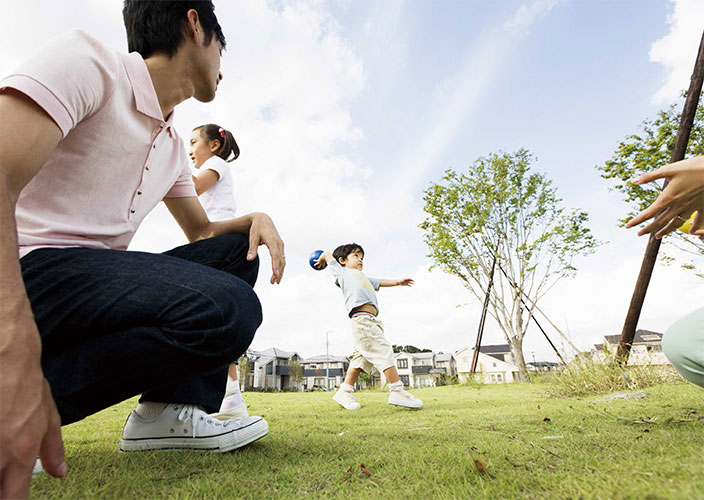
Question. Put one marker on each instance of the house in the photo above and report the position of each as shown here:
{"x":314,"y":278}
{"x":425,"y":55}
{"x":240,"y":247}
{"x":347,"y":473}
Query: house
{"x":492,"y":364}
{"x":541,"y":366}
{"x":445,"y":365}
{"x":414,"y":369}
{"x":324,"y":371}
{"x":646,"y":349}
{"x":272,"y":369}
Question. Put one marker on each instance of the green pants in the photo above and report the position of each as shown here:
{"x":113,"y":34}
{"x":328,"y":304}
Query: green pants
{"x":683,"y":344}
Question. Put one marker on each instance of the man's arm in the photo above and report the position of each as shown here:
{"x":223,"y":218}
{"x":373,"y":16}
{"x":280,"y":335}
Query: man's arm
{"x":401,"y":282}
{"x":190,"y":215}
{"x":30,"y":425}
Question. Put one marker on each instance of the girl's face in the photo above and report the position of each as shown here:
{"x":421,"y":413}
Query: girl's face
{"x":201,"y":148}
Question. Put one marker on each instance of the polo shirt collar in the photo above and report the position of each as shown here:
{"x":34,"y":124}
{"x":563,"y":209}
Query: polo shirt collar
{"x":145,"y":97}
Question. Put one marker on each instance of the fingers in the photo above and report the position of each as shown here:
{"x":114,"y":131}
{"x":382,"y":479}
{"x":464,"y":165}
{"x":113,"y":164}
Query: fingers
{"x":15,"y":479}
{"x":51,"y":451}
{"x":652,"y":175}
{"x":278,"y":263}
{"x":697,"y":222}
{"x":646,"y":214}
{"x":254,"y":242}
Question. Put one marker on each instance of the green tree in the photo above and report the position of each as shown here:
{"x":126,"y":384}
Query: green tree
{"x":296,"y":372}
{"x":650,"y":148}
{"x":245,"y":367}
{"x":499,"y":205}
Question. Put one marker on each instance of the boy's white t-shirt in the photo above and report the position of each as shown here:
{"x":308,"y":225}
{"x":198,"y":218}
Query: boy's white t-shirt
{"x":219,"y":200}
{"x":356,"y":287}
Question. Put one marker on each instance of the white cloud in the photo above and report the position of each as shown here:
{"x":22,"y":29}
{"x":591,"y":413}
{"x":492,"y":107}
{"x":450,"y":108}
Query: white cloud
{"x":677,"y":50}
{"x":527,"y":14}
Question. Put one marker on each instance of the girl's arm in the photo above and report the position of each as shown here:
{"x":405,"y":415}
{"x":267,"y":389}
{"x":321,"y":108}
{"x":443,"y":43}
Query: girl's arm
{"x":205,"y":180}
{"x":401,"y":282}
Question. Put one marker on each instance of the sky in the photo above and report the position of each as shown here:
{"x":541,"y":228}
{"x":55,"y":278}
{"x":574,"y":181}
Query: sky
{"x":345,"y":111}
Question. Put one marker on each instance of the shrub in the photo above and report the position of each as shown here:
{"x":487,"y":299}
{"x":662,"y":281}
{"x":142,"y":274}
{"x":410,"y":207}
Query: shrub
{"x":583,"y":377}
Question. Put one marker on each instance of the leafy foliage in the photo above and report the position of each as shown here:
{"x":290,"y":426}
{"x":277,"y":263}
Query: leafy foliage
{"x":408,"y":348}
{"x":499,"y":206}
{"x":650,"y":148}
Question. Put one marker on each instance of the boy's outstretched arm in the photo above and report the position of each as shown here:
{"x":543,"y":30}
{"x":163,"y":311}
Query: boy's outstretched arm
{"x":401,"y":282}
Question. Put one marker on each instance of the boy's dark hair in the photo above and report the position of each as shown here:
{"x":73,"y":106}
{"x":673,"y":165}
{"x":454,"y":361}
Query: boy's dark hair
{"x":158,"y":26}
{"x":343,"y":251}
{"x":228,"y":145}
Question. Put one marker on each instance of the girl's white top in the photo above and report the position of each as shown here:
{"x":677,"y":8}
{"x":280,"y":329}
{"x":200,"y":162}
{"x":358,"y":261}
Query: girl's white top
{"x":219,"y":200}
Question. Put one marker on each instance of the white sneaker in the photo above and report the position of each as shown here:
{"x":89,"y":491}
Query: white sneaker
{"x":405,"y":399}
{"x":235,"y":412}
{"x":189,"y":427}
{"x":346,"y":400}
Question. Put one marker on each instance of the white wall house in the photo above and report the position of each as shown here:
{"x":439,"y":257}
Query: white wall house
{"x":491,"y":368}
{"x":324,"y":371}
{"x":646,"y":349}
{"x":271,"y":369}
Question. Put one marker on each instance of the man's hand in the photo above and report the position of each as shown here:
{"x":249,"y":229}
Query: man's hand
{"x":683,"y":195}
{"x":30,"y":426}
{"x":263,"y":232}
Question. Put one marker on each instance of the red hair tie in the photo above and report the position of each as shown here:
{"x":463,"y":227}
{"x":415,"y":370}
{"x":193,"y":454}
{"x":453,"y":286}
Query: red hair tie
{"x":222,"y":132}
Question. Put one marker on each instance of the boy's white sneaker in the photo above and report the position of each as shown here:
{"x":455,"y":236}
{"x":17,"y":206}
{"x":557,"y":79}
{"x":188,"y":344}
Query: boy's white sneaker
{"x":237,"y":411}
{"x":189,"y":427}
{"x":346,"y":400}
{"x":405,"y":399}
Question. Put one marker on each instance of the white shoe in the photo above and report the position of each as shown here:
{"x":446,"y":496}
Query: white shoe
{"x":189,"y":427}
{"x":346,"y":400}
{"x":405,"y":399}
{"x":235,"y":412}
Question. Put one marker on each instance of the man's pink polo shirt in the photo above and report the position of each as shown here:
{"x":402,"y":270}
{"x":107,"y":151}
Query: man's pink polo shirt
{"x":118,"y":157}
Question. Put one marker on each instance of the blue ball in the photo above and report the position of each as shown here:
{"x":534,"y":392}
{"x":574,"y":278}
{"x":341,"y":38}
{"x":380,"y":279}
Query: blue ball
{"x":315,"y":255}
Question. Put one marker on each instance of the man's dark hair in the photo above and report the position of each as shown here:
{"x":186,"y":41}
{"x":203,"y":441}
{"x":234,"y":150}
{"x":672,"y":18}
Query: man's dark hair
{"x":343,"y":251}
{"x":159,"y":26}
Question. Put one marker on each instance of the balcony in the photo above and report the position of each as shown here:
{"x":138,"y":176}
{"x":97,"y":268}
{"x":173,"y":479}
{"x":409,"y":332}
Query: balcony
{"x":421,"y":369}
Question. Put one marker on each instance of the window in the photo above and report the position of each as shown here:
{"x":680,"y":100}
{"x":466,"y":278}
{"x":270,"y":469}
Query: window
{"x":494,"y":364}
{"x":404,"y":379}
{"x":402,"y":363}
{"x":319,"y":381}
{"x":499,"y":377}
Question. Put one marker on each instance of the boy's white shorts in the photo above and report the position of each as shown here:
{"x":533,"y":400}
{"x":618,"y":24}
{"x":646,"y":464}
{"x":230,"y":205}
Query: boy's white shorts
{"x":370,"y":345}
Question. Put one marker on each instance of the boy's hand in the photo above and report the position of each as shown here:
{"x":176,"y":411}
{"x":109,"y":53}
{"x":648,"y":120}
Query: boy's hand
{"x":324,"y":258}
{"x":406,"y":282}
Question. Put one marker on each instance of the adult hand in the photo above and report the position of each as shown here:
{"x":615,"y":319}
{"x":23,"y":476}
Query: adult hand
{"x":30,"y":425}
{"x":263,"y":232}
{"x":683,"y":195}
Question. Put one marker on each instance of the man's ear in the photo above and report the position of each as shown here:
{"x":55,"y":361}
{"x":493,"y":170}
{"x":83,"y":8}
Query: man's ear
{"x":193,"y":27}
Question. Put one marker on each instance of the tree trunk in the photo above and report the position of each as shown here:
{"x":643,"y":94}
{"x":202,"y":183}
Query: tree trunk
{"x":517,"y":349}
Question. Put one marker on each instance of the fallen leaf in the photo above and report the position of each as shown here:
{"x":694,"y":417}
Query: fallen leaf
{"x":364,"y":470}
{"x":480,"y":466}
{"x":274,"y":469}
{"x":491,"y":427}
{"x":546,"y":419}
{"x":351,"y":469}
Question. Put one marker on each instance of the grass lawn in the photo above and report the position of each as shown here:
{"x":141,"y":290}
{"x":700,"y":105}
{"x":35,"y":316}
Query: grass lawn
{"x":531,"y":446}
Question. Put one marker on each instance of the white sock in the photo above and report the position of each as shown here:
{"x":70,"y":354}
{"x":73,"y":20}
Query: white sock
{"x":232,"y":387}
{"x":150,"y":409}
{"x":396,"y":386}
{"x":233,"y":396}
{"x":346,"y":387}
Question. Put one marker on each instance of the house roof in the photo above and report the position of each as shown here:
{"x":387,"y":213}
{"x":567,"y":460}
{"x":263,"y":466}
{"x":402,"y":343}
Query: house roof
{"x":641,"y":337}
{"x":542,"y":363}
{"x":322,"y":358}
{"x":495,"y":349}
{"x":443,"y":357}
{"x":276,"y":353}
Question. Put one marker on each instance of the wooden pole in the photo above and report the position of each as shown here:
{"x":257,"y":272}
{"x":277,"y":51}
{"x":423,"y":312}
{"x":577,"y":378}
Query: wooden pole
{"x":651,"y":250}
{"x":477,"y":344}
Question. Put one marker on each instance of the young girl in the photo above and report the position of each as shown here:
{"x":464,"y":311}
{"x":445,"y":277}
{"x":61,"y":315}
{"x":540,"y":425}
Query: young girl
{"x":212,"y":148}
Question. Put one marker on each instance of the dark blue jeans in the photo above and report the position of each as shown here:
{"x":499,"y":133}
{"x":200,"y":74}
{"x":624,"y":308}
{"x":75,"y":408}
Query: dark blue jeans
{"x":115,"y":324}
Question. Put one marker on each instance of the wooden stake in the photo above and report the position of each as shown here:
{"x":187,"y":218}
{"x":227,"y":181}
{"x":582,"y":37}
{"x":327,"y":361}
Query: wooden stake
{"x":480,"y":332}
{"x":651,"y":250}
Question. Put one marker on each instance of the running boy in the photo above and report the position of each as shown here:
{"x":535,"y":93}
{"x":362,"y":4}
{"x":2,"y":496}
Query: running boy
{"x":370,"y":345}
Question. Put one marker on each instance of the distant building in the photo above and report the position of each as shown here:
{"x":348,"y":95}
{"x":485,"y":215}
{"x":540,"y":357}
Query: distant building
{"x":326,"y":372}
{"x":494,"y":364}
{"x":646,"y":349}
{"x":541,"y":366}
{"x":271,"y":369}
